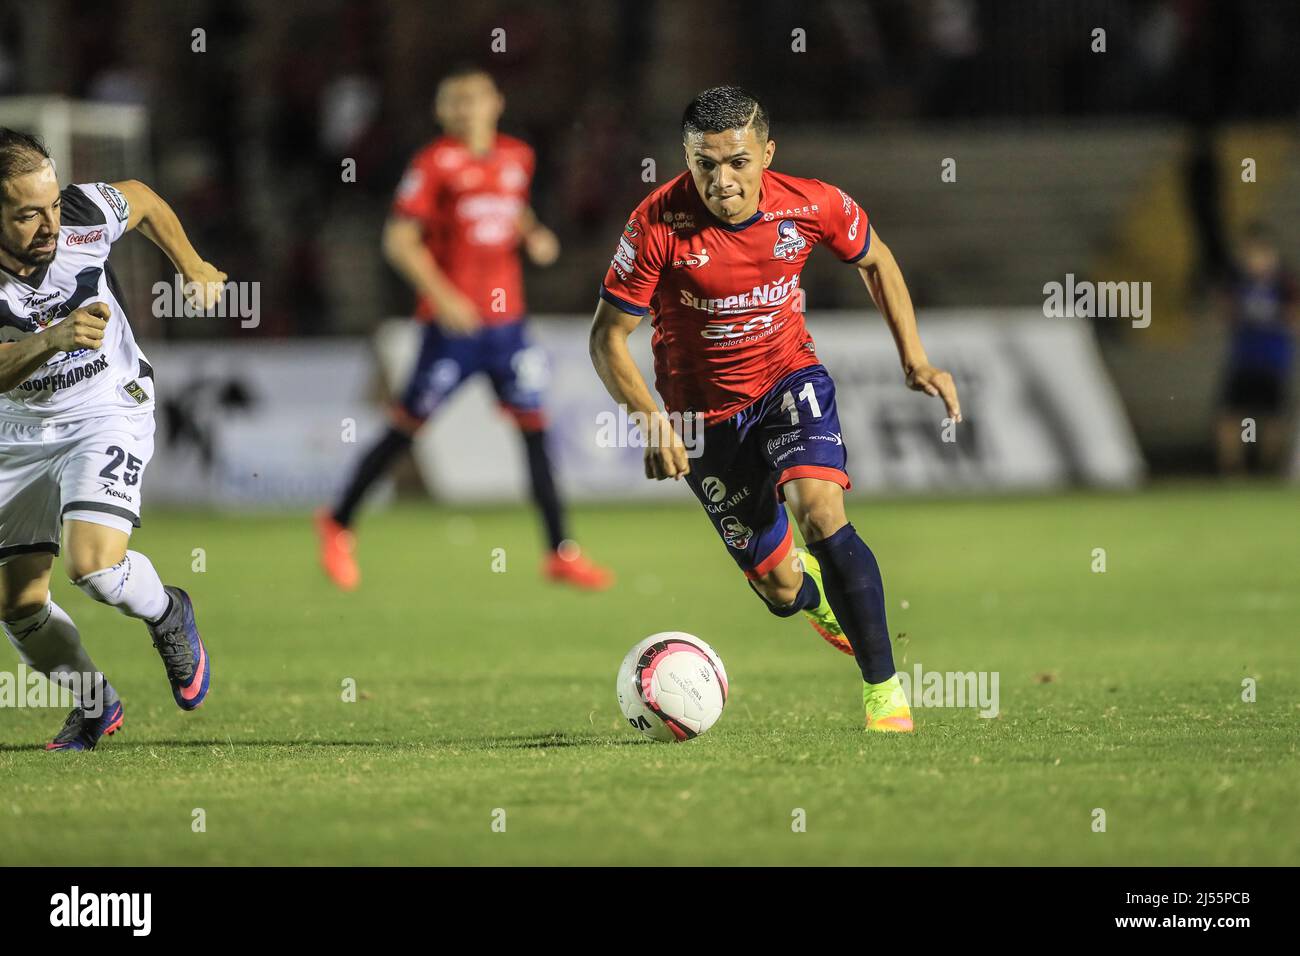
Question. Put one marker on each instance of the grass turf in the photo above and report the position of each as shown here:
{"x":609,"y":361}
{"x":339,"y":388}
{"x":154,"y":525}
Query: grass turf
{"x":480,"y":691}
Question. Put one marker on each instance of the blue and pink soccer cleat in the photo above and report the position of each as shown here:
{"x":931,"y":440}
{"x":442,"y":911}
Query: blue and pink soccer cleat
{"x":177,"y":639}
{"x":81,"y":732}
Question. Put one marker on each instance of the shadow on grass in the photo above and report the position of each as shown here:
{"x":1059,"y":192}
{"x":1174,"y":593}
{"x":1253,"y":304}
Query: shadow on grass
{"x":526,"y":742}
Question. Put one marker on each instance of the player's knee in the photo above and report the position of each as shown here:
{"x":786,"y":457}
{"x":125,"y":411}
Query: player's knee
{"x":776,"y":591}
{"x":84,"y":563}
{"x":821,"y":519}
{"x":20,"y":607}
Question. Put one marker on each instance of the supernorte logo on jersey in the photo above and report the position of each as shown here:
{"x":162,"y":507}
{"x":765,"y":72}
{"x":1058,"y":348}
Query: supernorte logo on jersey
{"x":760,"y":296}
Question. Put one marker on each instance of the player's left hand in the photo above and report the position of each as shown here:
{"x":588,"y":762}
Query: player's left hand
{"x":937,"y":383}
{"x":542,"y":246}
{"x":210,"y":281}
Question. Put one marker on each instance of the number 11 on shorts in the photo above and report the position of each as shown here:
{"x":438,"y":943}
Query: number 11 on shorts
{"x":806,"y":394}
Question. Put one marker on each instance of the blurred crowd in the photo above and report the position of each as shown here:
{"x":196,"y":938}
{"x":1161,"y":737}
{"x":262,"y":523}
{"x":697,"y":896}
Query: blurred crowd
{"x":249,"y":133}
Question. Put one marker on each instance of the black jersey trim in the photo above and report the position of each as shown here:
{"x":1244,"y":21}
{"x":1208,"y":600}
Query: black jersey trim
{"x":41,"y":547}
{"x":130,"y":516}
{"x":79,"y":209}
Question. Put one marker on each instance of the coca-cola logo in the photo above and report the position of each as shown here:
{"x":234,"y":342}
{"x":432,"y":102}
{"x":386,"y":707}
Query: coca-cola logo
{"x":84,"y":238}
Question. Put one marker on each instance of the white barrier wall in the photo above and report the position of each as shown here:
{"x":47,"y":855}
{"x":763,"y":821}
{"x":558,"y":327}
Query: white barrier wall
{"x":244,"y":425}
{"x":1039,"y":409}
{"x":278,"y":424}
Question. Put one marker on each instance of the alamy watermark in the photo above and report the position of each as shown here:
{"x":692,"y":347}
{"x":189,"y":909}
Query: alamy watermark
{"x":1102,"y":300}
{"x":952,"y":689}
{"x":229,"y":300}
{"x":62,"y":689}
{"x":624,"y":429}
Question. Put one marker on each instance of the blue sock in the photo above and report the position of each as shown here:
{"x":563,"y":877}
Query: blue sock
{"x":809,"y":597}
{"x":857,"y":596}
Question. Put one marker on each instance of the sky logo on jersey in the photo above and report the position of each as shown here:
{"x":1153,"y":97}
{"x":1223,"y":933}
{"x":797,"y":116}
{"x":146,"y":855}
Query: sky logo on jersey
{"x":732,"y":333}
{"x":789,"y":242}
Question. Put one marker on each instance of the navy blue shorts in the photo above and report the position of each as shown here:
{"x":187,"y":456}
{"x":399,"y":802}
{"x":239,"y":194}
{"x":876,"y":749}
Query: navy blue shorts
{"x":791,"y":432}
{"x":516,"y":368}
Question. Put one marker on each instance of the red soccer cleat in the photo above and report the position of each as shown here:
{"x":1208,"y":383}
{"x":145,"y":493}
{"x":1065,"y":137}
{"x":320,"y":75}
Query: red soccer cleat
{"x":566,"y":565}
{"x":336,"y":546}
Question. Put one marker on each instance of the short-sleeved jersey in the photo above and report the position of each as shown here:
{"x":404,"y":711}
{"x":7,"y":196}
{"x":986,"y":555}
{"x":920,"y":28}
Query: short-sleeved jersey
{"x":728,"y":320}
{"x":1262,"y":335}
{"x":88,"y":382}
{"x":470,"y":209}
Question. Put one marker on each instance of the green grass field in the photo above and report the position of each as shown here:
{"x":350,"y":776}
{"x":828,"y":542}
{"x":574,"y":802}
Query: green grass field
{"x":481,"y":690}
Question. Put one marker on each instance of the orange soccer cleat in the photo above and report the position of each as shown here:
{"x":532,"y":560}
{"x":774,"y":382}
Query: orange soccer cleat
{"x":336,"y":546}
{"x":566,"y":565}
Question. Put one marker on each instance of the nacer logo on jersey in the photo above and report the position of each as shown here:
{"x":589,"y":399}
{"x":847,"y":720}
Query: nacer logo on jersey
{"x":789,"y":242}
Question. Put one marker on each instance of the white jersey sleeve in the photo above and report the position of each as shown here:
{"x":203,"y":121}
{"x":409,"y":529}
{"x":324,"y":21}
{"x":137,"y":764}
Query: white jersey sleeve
{"x":103,"y":205}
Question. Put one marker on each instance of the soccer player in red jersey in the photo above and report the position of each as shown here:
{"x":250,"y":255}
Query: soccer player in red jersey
{"x":715,"y":255}
{"x":460,"y":215}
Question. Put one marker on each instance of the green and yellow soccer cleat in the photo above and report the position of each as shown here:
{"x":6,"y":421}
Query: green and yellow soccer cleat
{"x":822,"y":618}
{"x":886,"y":706}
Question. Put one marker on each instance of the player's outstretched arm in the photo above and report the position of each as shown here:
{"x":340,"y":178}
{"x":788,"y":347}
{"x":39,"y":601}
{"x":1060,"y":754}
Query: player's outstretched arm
{"x":405,"y":251}
{"x":542,"y":245}
{"x":158,"y":223}
{"x":665,"y":455}
{"x":884,"y":280}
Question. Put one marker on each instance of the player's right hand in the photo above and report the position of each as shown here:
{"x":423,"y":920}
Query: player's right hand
{"x":458,"y":316}
{"x":665,"y":455}
{"x":83,"y":329}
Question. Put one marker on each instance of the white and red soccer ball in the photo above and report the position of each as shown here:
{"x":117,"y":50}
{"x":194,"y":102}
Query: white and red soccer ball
{"x":672,"y":686}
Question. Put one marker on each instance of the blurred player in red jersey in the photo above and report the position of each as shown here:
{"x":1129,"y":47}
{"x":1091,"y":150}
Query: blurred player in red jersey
{"x":716,"y":256}
{"x":460,"y":215}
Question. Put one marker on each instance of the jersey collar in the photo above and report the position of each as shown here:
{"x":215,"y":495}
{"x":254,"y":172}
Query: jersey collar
{"x":32,"y":281}
{"x":739,"y":226}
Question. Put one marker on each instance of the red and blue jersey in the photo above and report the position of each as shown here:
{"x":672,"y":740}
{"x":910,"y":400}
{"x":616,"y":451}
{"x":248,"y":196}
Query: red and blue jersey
{"x":470,"y":209}
{"x":728,"y":309}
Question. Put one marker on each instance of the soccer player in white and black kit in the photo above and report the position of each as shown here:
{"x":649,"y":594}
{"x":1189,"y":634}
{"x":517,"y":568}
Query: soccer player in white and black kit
{"x":76,"y":429}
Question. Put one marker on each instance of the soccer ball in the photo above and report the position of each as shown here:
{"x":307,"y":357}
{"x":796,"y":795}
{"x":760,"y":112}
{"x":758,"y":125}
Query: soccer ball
{"x":672,"y":686}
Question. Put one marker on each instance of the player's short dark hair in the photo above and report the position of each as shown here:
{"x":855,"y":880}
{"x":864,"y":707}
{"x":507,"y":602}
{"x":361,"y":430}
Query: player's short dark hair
{"x":1257,"y":231}
{"x":722,"y":108}
{"x":20,"y":153}
{"x":463,"y":69}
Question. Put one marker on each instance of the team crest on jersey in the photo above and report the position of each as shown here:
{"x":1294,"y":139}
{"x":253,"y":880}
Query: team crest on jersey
{"x":736,"y":533}
{"x":631,"y":230}
{"x":789,"y":241}
{"x":116,"y":201}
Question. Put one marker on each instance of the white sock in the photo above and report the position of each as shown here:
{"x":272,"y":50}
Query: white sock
{"x":132,"y":586}
{"x":48,"y":642}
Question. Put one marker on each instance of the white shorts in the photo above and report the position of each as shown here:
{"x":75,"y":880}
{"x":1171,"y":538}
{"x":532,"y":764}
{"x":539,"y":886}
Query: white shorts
{"x":88,"y":470}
